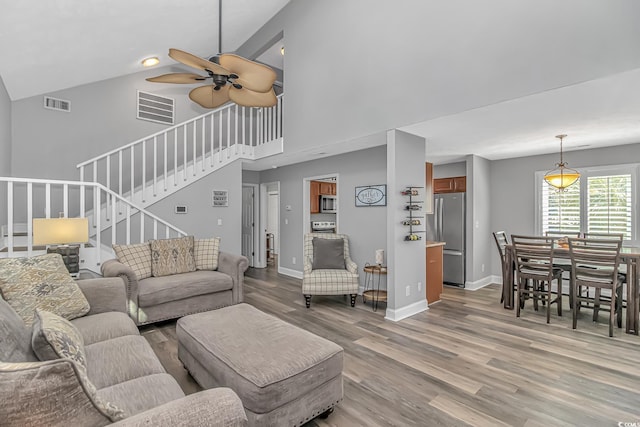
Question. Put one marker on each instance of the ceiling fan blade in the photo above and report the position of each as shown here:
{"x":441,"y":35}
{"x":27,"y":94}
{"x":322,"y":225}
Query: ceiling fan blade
{"x":196,"y":62}
{"x":249,"y":98}
{"x":180,"y":78}
{"x":208,"y":97}
{"x":251,"y":75}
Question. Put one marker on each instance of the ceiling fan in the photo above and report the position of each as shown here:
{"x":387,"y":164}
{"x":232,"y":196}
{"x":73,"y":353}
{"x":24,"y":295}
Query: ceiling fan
{"x":232,"y":78}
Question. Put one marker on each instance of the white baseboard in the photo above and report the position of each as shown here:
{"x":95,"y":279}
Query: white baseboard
{"x":478,"y":284}
{"x":406,"y":311}
{"x":289,"y":272}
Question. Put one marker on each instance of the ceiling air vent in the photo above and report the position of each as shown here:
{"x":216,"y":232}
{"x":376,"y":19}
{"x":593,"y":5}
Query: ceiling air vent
{"x":57,"y":104}
{"x":155,"y":108}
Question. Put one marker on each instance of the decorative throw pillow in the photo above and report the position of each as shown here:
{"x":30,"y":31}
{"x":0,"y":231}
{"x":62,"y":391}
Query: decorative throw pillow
{"x":41,"y":282}
{"x":54,"y":337}
{"x":61,"y":386}
{"x":328,"y":254}
{"x":172,"y":256}
{"x":137,"y":257}
{"x":206,"y":252}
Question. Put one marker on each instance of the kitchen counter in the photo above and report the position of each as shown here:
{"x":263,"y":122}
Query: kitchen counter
{"x":432,"y":244}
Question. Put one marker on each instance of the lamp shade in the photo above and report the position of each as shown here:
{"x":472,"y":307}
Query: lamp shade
{"x":60,"y":231}
{"x":561,"y":180}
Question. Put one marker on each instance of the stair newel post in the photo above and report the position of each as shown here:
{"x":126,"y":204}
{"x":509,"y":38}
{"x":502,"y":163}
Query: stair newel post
{"x":184,"y":146}
{"x":211,"y":143}
{"x":10,"y":217}
{"x":128,"y":225}
{"x":175,"y":157}
{"x":165,"y":158}
{"x":155,"y":166}
{"x":132,"y":168}
{"x":114,"y":222}
{"x":47,"y":200}
{"x":203,"y":143}
{"x":65,"y":200}
{"x":219,"y":136}
{"x":144,"y":167}
{"x":29,"y":219}
{"x":108,"y":186}
{"x":194,"y":143}
{"x":155,"y":228}
{"x":141,"y":227}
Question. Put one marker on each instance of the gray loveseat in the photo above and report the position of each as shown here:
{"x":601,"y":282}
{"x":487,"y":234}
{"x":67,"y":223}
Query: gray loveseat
{"x":153,"y":299}
{"x":120,"y":364}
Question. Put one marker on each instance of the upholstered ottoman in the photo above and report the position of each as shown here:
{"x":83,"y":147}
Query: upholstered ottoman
{"x":284,"y":375}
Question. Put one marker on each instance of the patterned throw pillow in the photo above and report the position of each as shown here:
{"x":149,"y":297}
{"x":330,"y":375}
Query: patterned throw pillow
{"x":41,"y":282}
{"x":137,"y":257}
{"x":62,"y":388}
{"x":172,"y":256}
{"x":54,"y":337}
{"x":206,"y":252}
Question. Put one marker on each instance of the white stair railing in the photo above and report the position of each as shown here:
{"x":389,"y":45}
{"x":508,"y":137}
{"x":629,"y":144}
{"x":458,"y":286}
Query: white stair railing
{"x":149,"y":169}
{"x":38,"y":198}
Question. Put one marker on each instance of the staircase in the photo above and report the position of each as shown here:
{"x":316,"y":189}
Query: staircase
{"x":116,"y":187}
{"x":37,"y":198}
{"x":152,"y":168}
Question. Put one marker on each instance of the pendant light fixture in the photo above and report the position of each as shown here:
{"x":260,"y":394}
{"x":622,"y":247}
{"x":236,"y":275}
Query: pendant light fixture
{"x":562,"y":176}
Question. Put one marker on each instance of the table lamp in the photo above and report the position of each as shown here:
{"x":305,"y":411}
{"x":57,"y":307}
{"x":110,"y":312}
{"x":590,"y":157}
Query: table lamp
{"x":64,"y":234}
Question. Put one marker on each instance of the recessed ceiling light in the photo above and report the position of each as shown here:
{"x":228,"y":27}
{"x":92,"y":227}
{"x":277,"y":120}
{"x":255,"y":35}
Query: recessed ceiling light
{"x":150,"y":62}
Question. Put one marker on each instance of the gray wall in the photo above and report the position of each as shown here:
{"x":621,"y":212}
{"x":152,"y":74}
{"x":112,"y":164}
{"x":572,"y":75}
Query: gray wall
{"x":202,"y":218}
{"x":364,"y":225}
{"x":478,"y":262}
{"x":250,"y":177}
{"x":49,"y":144}
{"x":367,"y":38}
{"x":449,"y":170}
{"x":513,"y":186}
{"x":407,"y":262}
{"x":5,"y":147}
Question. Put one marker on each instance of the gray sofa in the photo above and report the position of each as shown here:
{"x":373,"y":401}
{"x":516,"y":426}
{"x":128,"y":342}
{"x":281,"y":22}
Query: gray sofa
{"x":121,"y":365}
{"x":169,"y":297}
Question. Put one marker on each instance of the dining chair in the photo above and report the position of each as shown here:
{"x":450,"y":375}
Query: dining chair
{"x":501,"y":242}
{"x":534,"y":263}
{"x":594,"y":264}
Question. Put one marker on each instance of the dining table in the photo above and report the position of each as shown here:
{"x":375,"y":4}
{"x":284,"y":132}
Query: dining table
{"x":629,"y":256}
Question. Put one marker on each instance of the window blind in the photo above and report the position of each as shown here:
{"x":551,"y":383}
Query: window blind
{"x":561,"y":209}
{"x":609,"y":204}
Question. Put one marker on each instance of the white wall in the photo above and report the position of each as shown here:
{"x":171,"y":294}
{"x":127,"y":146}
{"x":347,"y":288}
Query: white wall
{"x":478,"y":222}
{"x":5,"y":146}
{"x":449,"y":170}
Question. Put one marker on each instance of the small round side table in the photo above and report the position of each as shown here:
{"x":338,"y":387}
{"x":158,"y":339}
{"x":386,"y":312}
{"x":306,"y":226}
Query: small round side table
{"x":376,"y":295}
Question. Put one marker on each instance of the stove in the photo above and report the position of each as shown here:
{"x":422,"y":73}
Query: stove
{"x":323,"y":226}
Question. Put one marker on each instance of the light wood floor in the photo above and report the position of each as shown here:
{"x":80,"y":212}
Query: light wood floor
{"x":465,"y":361}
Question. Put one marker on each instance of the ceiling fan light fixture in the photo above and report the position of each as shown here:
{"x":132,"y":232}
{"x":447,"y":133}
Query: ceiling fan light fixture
{"x":150,"y":61}
{"x":561,"y":177}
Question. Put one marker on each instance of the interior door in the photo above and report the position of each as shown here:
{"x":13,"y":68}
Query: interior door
{"x":247,"y":223}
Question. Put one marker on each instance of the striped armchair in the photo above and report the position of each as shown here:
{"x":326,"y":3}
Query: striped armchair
{"x":328,"y":281}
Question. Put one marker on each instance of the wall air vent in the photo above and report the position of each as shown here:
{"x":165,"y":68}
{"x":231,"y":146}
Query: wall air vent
{"x":57,"y":104}
{"x":155,"y":108}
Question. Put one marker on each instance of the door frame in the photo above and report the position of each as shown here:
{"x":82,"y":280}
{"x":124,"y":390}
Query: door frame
{"x":306,"y":194}
{"x":261,"y":260}
{"x":256,"y":215}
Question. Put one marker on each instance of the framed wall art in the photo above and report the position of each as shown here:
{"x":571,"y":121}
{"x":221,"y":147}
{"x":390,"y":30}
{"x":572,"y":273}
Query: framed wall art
{"x":371,"y":195}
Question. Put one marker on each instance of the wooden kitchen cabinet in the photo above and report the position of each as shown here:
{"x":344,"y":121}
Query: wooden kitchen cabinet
{"x":327,"y":188}
{"x":456,"y":184}
{"x":314,"y":197}
{"x":434,"y":272}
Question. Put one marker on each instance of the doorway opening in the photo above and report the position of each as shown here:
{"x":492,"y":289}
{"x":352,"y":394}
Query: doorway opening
{"x":250,"y":212}
{"x":269,"y":235}
{"x":321,"y":210}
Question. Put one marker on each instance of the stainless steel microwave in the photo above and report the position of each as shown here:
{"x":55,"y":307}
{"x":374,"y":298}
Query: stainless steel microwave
{"x":328,"y":204}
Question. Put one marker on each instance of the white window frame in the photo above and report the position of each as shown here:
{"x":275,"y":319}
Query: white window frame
{"x":632,"y":169}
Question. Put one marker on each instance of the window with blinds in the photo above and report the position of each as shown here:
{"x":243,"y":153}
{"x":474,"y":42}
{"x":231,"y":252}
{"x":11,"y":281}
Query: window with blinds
{"x":601,"y":201}
{"x":561,"y":209}
{"x":609,"y":204}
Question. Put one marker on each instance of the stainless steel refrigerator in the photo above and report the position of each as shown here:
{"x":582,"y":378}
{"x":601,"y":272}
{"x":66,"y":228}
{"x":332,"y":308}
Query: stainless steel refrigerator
{"x":447,"y":224}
